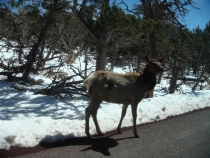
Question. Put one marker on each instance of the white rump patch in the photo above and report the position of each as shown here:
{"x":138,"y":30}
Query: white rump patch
{"x":89,"y":81}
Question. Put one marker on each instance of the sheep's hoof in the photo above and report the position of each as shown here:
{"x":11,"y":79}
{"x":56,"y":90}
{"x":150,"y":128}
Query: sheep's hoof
{"x":119,"y":131}
{"x":100,"y":133}
{"x":89,"y":136}
{"x":136,"y":135}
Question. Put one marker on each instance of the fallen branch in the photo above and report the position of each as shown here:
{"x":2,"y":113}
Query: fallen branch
{"x":187,"y":79}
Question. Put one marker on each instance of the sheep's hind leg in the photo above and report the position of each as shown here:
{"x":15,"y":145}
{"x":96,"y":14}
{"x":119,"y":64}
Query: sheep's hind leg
{"x":87,"y":118}
{"x":124,"y":109}
{"x":94,"y":115}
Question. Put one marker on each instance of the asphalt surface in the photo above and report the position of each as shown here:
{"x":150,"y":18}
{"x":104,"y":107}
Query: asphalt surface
{"x":184,"y":136}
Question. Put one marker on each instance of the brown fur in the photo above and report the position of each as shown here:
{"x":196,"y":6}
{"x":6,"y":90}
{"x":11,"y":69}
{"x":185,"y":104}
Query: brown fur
{"x":120,"y":88}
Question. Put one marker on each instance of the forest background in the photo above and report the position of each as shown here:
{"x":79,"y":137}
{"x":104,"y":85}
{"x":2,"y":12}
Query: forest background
{"x":105,"y":32}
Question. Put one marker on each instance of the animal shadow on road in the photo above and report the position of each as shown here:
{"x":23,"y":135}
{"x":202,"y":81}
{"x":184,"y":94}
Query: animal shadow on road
{"x":102,"y":145}
{"x":97,"y":143}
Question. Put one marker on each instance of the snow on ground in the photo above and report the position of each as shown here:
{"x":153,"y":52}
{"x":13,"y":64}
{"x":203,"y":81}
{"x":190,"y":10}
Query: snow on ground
{"x":27,"y":119}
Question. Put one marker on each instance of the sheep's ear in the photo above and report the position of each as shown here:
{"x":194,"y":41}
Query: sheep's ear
{"x":147,"y":58}
{"x":161,"y":59}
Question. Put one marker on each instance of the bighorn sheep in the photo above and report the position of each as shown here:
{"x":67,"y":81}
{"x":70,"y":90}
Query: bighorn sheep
{"x":120,"y":88}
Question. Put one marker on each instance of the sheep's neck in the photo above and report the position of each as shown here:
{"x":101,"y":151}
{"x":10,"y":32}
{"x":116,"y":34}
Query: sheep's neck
{"x":149,"y":80}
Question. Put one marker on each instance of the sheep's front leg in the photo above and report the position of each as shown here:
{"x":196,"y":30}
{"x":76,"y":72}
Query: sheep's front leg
{"x":134,"y":113}
{"x":94,"y":115}
{"x":92,"y":110}
{"x":124,"y":109}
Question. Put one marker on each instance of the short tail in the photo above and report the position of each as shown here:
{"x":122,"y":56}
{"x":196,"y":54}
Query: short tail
{"x":88,"y":82}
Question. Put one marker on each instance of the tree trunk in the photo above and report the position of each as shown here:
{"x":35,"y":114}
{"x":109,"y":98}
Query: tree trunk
{"x":153,"y":48}
{"x":153,"y":55}
{"x":113,"y":57}
{"x":102,"y":55}
{"x":29,"y":64}
{"x":40,"y":62}
{"x":20,"y":54}
{"x":173,"y":82}
{"x":194,"y":69}
{"x":149,"y":94}
{"x":200,"y":77}
{"x":160,"y":76}
{"x":86,"y":62}
{"x":139,"y":58}
{"x":33,"y":53}
{"x":138,"y":69}
{"x":175,"y":74}
{"x":113,"y":61}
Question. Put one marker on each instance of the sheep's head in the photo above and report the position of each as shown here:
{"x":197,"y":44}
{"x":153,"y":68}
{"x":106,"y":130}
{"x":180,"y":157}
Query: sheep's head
{"x":154,"y":65}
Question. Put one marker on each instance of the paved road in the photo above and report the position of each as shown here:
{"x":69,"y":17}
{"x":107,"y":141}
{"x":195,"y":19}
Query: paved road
{"x":185,"y":136}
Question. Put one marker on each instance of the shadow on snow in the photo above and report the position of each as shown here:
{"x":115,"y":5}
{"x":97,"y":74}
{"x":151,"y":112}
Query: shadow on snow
{"x":14,"y":103}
